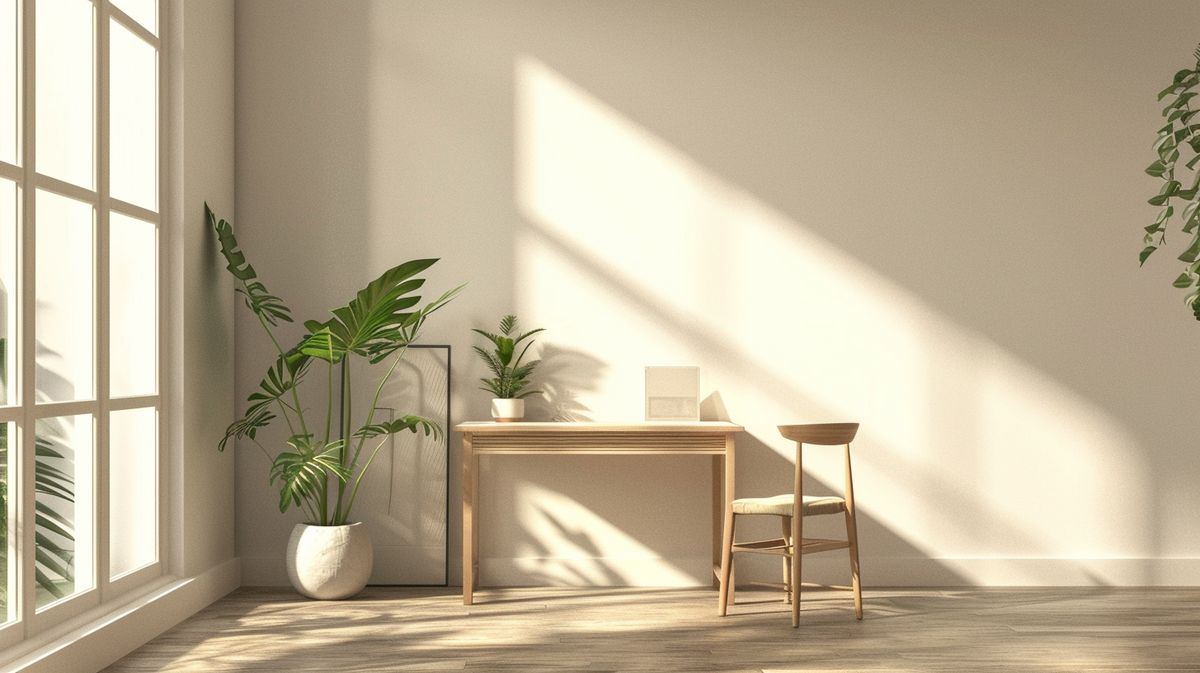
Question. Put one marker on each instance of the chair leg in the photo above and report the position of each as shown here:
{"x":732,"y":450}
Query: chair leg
{"x":797,"y":539}
{"x":787,"y":562}
{"x":726,"y":564}
{"x":856,"y":582}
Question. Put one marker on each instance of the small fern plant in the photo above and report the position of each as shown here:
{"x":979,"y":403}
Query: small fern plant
{"x":509,"y":377}
{"x":1178,"y":132}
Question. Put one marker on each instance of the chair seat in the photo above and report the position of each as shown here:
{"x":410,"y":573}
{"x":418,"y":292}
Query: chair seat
{"x":781,"y":505}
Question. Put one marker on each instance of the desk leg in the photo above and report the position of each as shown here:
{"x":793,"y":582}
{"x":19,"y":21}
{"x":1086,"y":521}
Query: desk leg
{"x":727,"y":580}
{"x":718,"y":516}
{"x":468,"y":520}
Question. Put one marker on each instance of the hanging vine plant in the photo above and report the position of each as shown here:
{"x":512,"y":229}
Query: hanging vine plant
{"x":1173,"y":197}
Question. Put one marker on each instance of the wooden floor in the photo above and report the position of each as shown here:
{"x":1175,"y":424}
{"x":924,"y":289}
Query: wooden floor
{"x":397,"y":629}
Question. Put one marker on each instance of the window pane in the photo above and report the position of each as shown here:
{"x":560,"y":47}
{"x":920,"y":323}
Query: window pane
{"x":65,"y":93}
{"x":8,"y":291}
{"x":133,"y":302}
{"x":64,"y":316}
{"x":63,"y":522}
{"x":133,"y":141}
{"x":7,"y":563}
{"x":144,"y":12}
{"x":8,"y":80}
{"x":132,"y":490}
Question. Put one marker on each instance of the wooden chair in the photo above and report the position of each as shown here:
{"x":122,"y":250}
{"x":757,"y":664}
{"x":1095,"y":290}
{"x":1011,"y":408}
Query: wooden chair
{"x":793,"y":507}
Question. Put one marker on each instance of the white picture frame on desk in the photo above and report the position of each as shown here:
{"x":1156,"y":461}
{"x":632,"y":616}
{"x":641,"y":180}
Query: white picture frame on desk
{"x":673,"y":393}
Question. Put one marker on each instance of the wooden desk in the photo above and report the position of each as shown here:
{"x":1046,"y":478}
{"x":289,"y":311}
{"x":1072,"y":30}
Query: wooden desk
{"x":713,"y":438}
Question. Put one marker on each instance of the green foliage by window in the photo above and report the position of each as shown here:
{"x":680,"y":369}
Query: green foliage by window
{"x":1176,"y":170}
{"x":54,"y":490}
{"x":323,"y":466}
{"x":509,"y":376}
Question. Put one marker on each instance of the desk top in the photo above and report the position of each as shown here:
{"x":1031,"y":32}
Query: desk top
{"x":575,"y":426}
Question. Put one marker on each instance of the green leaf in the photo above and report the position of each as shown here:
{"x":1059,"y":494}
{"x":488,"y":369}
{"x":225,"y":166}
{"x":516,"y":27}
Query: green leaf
{"x":281,"y":377}
{"x":1157,"y":168}
{"x":247,"y":426}
{"x":1169,"y":189}
{"x":1179,"y":102}
{"x":507,"y":324}
{"x":410,"y":423}
{"x":1145,"y":254}
{"x":374,"y":322}
{"x":54,"y":533}
{"x":1184,"y":281}
{"x":264,"y":304}
{"x":1190,"y":224}
{"x":504,"y":350}
{"x":237,"y":264}
{"x":304,"y":470}
{"x":1192,"y":252}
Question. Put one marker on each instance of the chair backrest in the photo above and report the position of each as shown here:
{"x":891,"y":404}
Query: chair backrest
{"x":828,"y":434}
{"x":820,"y":433}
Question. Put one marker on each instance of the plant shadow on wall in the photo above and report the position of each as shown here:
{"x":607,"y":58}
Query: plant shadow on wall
{"x":564,"y":375}
{"x":328,"y":456}
{"x":54,"y":500}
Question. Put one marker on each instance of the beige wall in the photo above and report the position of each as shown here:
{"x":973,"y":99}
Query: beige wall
{"x":922,"y":216}
{"x":203,"y":392}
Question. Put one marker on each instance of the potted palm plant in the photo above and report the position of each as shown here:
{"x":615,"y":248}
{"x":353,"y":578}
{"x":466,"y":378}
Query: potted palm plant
{"x":509,"y":377}
{"x":322,"y":466}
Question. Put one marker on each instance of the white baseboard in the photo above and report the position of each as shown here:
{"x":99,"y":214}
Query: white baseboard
{"x":94,"y":641}
{"x":834,"y":569}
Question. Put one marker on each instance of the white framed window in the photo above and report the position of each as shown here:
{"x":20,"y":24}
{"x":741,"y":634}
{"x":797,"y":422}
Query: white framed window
{"x":81,"y":427}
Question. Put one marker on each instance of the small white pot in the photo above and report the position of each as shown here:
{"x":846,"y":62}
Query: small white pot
{"x":506,"y":410}
{"x":329,"y":562}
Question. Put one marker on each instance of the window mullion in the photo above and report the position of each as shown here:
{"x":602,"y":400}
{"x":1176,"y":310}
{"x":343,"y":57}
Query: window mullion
{"x":103,"y":108}
{"x":130,"y":209}
{"x":24,"y":459}
{"x":50,"y":184}
{"x":132,"y":26}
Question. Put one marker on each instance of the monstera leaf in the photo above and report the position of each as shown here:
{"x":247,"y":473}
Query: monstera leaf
{"x":281,"y":379}
{"x":373,"y":325}
{"x":302,"y":472}
{"x":265,"y":305}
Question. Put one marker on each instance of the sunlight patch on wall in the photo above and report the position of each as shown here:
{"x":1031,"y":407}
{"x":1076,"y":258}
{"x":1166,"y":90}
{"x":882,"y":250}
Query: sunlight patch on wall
{"x":634,"y":254}
{"x":584,"y":549}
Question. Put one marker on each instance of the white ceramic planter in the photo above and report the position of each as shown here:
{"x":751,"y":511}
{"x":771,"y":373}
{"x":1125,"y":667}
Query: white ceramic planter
{"x":505,"y":410}
{"x":329,"y":562}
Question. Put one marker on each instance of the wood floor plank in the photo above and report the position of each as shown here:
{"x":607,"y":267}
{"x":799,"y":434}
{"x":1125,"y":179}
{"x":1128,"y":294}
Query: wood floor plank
{"x":1102,"y":630}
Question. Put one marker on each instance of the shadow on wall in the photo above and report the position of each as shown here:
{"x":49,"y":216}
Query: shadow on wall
{"x":306,"y":231}
{"x":612,"y":521}
{"x":564,"y":375}
{"x":958,"y":433}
